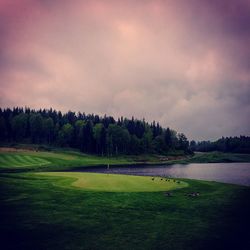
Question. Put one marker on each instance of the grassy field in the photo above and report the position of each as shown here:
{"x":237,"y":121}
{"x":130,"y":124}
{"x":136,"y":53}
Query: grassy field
{"x":47,"y":212}
{"x":69,"y":210}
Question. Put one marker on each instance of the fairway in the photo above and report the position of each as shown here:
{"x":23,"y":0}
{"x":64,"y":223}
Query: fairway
{"x":21,"y":160}
{"x":57,"y":160}
{"x":117,"y":183}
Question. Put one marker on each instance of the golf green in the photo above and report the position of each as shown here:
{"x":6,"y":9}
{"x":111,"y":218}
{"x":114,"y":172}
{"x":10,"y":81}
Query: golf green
{"x":117,"y":183}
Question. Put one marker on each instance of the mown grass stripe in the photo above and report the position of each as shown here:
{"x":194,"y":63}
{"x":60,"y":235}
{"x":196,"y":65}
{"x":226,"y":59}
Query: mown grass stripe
{"x":41,"y":161}
{"x":22,"y":159}
{"x":19,"y":160}
{"x":12,"y":160}
{"x":30,"y":159}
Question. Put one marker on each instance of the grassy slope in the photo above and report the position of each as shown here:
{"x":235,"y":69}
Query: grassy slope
{"x":117,"y":183}
{"x":46,"y":212}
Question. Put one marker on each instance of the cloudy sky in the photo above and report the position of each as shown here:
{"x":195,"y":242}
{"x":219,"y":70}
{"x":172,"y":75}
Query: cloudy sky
{"x":183,"y":63}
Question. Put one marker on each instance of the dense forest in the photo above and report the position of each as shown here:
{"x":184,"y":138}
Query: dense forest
{"x":89,"y":133}
{"x":225,"y":144}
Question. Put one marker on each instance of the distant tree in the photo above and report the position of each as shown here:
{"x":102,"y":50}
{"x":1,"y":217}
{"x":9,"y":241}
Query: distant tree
{"x":174,"y":139}
{"x":88,"y":137}
{"x":109,"y":143}
{"x":66,"y":134}
{"x":103,"y":140}
{"x":3,"y":129}
{"x":79,"y":139}
{"x":36,"y":127}
{"x":70,"y":117}
{"x":168,"y":139}
{"x":125,"y":140}
{"x":48,"y":127}
{"x":192,"y":145}
{"x":56,"y":132}
{"x":131,"y":126}
{"x":94,"y":134}
{"x":19,"y":125}
{"x":183,"y":142}
{"x":139,"y":129}
{"x":97,"y":133}
{"x":159,"y":144}
{"x":118,"y":139}
{"x":136,"y":146}
{"x":226,"y":144}
{"x":147,"y":140}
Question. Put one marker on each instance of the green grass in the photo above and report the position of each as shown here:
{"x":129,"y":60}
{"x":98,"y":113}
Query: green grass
{"x":46,"y":212}
{"x":117,"y":183}
{"x":69,"y":210}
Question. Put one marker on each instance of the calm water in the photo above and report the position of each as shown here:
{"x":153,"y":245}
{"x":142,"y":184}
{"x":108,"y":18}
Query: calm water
{"x":236,"y":173}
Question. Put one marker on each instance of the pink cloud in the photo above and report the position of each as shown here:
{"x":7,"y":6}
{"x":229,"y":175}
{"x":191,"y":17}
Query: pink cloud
{"x":163,"y":60}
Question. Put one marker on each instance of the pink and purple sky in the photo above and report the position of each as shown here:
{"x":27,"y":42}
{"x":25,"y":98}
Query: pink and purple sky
{"x":184,"y":63}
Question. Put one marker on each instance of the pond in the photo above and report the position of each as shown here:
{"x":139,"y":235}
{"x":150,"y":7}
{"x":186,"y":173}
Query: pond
{"x":235,"y":173}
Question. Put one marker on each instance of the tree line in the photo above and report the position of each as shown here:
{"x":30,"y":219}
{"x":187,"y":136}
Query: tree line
{"x":90,"y":133}
{"x":225,"y":144}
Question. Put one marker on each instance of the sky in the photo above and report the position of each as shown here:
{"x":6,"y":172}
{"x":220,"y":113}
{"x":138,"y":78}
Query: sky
{"x":185,"y":64}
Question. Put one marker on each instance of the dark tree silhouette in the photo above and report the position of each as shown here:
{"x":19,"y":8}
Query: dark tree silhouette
{"x":90,"y":133}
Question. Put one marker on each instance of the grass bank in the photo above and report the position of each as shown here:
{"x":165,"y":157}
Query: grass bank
{"x":213,"y":157}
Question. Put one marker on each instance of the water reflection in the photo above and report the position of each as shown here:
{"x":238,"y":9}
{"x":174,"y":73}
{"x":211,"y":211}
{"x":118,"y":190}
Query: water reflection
{"x":236,"y":173}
